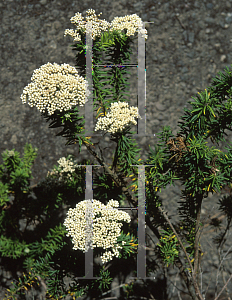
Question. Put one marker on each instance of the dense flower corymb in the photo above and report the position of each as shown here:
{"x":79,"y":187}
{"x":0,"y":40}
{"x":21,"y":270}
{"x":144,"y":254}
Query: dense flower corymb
{"x":106,"y":226}
{"x":55,"y":87}
{"x":119,"y":117}
{"x":66,"y":166}
{"x":98,"y":25}
{"x":132,"y":23}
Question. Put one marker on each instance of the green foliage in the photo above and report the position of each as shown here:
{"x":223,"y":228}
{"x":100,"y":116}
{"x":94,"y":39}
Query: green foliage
{"x":168,"y":247}
{"x":128,"y":244}
{"x":71,"y":124}
{"x":103,"y":283}
{"x":4,"y":188}
{"x":16,"y":171}
{"x":105,"y":188}
{"x":128,"y":288}
{"x":126,"y":152}
{"x":23,"y":285}
{"x":12,"y":247}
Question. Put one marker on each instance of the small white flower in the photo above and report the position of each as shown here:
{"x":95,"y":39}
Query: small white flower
{"x":118,"y":118}
{"x":55,"y":87}
{"x":98,"y":25}
{"x":106,"y":226}
{"x":66,"y":166}
{"x":11,"y":153}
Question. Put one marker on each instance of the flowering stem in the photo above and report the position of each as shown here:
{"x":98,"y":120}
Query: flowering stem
{"x":120,"y":182}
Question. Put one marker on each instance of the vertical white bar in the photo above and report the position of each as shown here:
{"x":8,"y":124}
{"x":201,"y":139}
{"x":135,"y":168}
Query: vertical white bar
{"x":141,"y":82}
{"x":89,"y":221}
{"x":89,"y":105}
{"x":141,"y":258}
{"x":88,"y":129}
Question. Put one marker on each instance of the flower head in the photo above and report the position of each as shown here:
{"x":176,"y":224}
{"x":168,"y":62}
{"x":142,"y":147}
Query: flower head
{"x":98,"y":25}
{"x":55,"y":87}
{"x":106,"y":226}
{"x":119,"y":117}
{"x":11,"y":153}
{"x":132,"y":23}
{"x":66,"y":166}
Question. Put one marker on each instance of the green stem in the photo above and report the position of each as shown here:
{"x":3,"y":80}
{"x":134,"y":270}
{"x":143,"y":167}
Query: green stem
{"x":197,"y":237}
{"x":198,"y":293}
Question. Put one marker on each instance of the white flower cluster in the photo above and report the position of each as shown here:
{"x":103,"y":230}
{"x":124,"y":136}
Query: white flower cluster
{"x":11,"y":153}
{"x":118,"y":118}
{"x":65,"y":166}
{"x":106,"y":226}
{"x":55,"y":87}
{"x":97,"y":25}
{"x":132,"y":23}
